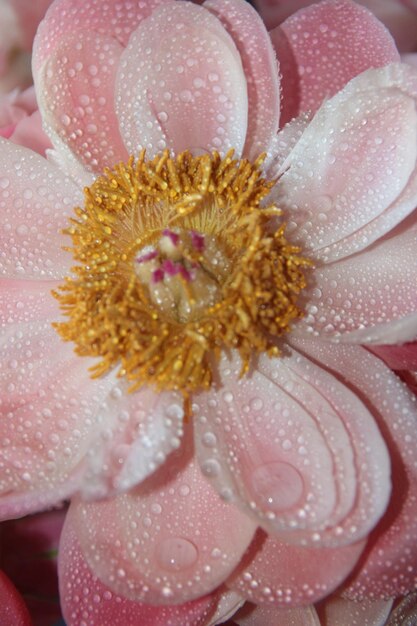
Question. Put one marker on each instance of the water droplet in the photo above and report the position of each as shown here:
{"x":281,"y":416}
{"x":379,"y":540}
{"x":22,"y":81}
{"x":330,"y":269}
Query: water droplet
{"x":256,"y":404}
{"x":277,"y":486}
{"x":211,"y":468}
{"x":209,"y":440}
{"x":176,"y":554}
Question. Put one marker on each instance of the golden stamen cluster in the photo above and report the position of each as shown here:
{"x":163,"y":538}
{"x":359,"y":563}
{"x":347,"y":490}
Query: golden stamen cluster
{"x":110,"y":312}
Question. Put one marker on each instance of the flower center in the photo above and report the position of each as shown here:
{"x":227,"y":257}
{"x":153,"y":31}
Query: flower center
{"x":184,"y":272}
{"x":177,"y":261}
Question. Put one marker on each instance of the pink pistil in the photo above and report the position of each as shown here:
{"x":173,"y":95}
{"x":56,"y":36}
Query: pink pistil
{"x":158,"y":275}
{"x":174,"y":237}
{"x":172,"y":269}
{"x":198,"y":241}
{"x":149,"y":256}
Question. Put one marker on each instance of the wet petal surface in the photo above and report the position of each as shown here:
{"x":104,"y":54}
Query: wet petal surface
{"x":35,"y":202}
{"x":324,"y":46}
{"x":366,"y":298}
{"x":85,"y":599}
{"x":310,"y":475}
{"x":283,"y":574}
{"x":387,"y":566}
{"x":181,"y":84}
{"x":170,"y":540}
{"x":260,"y":68}
{"x":362,"y":180}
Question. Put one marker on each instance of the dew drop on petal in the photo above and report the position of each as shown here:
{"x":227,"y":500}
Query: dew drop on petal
{"x":176,"y":554}
{"x":277,"y":486}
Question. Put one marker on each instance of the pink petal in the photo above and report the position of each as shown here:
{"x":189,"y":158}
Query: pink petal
{"x":12,"y":608}
{"x":48,"y":403}
{"x":283,"y":144}
{"x":405,"y":613}
{"x":111,"y":19}
{"x":368,"y":298}
{"x":170,"y":540}
{"x":85,"y":599}
{"x":301,"y":473}
{"x":30,"y":134}
{"x":272,"y":572}
{"x":181,"y":84}
{"x":35,"y":202}
{"x":398,"y":357}
{"x":229,"y":602}
{"x":388,"y":566}
{"x":263,"y":615}
{"x":140,"y":430}
{"x":75,"y":88}
{"x":362,"y":181}
{"x":260,"y":68}
{"x":340,"y":612}
{"x":325,"y":46}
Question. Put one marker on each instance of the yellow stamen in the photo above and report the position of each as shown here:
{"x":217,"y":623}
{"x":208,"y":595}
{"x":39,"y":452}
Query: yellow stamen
{"x":168,"y":330}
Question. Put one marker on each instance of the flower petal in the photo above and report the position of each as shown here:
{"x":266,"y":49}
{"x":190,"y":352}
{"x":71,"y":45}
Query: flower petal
{"x":48,"y":403}
{"x":325,"y":46}
{"x":340,"y":612}
{"x":181,"y":84}
{"x":168,"y":541}
{"x":262,"y":615}
{"x":260,"y":68}
{"x":229,"y":602}
{"x":116,"y":20}
{"x":403,"y":357}
{"x":367,"y":298}
{"x":75,"y":90}
{"x":84,"y":598}
{"x":363,"y":180}
{"x":302,"y":474}
{"x":141,"y":429}
{"x":12,"y":608}
{"x":35,"y":202}
{"x":30,"y":134}
{"x":387,"y":566}
{"x":405,"y":613}
{"x":288,"y":575}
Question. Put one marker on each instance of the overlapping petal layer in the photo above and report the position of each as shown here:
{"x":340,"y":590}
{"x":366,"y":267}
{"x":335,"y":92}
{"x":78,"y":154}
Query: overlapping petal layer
{"x":167,"y":541}
{"x":351,"y":177}
{"x":300,"y":444}
{"x":310,"y":473}
{"x":282,"y":574}
{"x":387,"y":566}
{"x":323,"y":47}
{"x":85,"y":597}
{"x":188,"y":91}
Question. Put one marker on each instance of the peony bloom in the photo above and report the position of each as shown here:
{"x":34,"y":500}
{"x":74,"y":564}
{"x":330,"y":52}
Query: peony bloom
{"x":217,"y":279}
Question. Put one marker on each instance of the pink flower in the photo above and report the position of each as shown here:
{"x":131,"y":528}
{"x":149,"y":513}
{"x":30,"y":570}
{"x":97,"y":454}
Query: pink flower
{"x":18,"y":23}
{"x":20,"y":120}
{"x":184,"y":275}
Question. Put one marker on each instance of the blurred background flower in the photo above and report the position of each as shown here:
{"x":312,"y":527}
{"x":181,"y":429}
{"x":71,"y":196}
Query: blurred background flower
{"x":19,"y":20}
